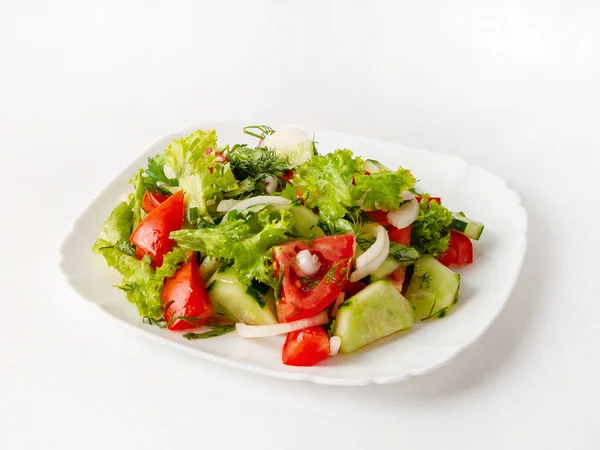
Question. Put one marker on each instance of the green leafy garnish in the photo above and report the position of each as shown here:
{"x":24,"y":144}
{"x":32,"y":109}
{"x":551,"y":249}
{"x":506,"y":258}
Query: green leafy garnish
{"x":217,"y":330}
{"x":256,"y":163}
{"x":258,"y":131}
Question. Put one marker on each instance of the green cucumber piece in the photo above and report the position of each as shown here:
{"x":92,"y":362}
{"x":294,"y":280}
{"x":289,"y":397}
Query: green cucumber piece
{"x":230,"y":298}
{"x":433,"y":288}
{"x":388,"y":266}
{"x":297,"y":154}
{"x":306,"y":222}
{"x":375,"y":312}
{"x":466,"y":226}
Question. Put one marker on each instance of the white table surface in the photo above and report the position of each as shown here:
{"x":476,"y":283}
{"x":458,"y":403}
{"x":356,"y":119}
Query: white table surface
{"x":85,"y":86}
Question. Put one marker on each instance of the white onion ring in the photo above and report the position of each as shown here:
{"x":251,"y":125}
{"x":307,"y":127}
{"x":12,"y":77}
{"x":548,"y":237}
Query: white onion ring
{"x":258,"y":200}
{"x":334,"y":345}
{"x":272,"y":184}
{"x":308,"y":263}
{"x":338,"y":301}
{"x":407,"y":213}
{"x":226,"y":205}
{"x":374,"y":256}
{"x":259,"y":331}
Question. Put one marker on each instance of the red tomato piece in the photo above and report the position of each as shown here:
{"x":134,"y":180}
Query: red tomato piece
{"x":184,"y":295}
{"x":448,"y":257}
{"x":306,"y":296}
{"x":431,"y":199}
{"x":152,"y":200}
{"x":463,"y":247}
{"x":353,"y":288}
{"x":287,"y":176}
{"x":305,"y":347}
{"x":400,"y":235}
{"x":378,"y":216}
{"x":152,"y":234}
{"x":397,"y":278}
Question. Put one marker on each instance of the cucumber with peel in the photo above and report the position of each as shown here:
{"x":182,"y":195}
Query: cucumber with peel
{"x":230,"y":298}
{"x":433,"y":288}
{"x":466,"y":226}
{"x":373,"y":313}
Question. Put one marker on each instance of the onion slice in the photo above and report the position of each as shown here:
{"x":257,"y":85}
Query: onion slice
{"x":259,"y":331}
{"x":258,"y":200}
{"x":308,"y":263}
{"x":338,"y":301}
{"x":374,"y":256}
{"x":226,"y":205}
{"x":334,"y":345}
{"x":272,"y":184}
{"x":407,"y":213}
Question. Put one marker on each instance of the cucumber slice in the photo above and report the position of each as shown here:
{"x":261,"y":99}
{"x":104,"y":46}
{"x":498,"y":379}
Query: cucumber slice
{"x":306,"y":222}
{"x":298,"y":153}
{"x":230,"y":298}
{"x":389,"y":265}
{"x":433,"y":288}
{"x":375,"y":312}
{"x":466,"y":226}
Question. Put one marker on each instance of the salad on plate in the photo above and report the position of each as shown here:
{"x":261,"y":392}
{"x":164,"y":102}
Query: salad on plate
{"x":332,"y":250}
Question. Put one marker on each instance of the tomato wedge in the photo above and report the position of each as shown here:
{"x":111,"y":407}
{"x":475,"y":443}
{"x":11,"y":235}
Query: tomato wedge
{"x":463,"y":246}
{"x":152,"y":200}
{"x":184,"y":295}
{"x":152,"y":234}
{"x":448,"y":257}
{"x":305,"y":347}
{"x":400,"y":235}
{"x":306,"y":296}
{"x":460,"y":250}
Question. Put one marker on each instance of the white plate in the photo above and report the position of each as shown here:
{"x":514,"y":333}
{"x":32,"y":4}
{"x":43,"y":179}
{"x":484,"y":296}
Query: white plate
{"x":486,"y":285}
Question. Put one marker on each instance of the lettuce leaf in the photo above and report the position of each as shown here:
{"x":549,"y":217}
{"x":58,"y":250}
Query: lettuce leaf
{"x":381,"y":191}
{"x":234,"y":242}
{"x":324,"y":182}
{"x":142,"y":284}
{"x":430,"y":233}
{"x":186,"y":155}
{"x":116,"y":229}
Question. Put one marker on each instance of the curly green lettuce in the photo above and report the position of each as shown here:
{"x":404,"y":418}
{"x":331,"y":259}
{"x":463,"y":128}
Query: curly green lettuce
{"x":236,"y":243}
{"x":431,"y":231}
{"x":324,"y":182}
{"x":381,"y":191}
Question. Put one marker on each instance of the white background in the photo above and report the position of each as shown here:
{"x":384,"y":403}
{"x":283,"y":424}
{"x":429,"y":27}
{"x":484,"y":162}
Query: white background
{"x":510,"y":86}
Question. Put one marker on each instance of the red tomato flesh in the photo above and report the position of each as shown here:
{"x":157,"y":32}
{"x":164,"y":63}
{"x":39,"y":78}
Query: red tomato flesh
{"x":448,"y":257}
{"x":400,"y":235}
{"x":306,"y":296}
{"x":305,"y":347}
{"x":152,"y":234}
{"x":152,"y":200}
{"x":184,"y":295}
{"x":463,"y":246}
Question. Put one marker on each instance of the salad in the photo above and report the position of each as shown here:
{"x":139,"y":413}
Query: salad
{"x":274,"y":238}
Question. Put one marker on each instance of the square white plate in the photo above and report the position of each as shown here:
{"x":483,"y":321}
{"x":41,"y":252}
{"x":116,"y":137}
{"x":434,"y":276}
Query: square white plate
{"x":485,"y":287}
